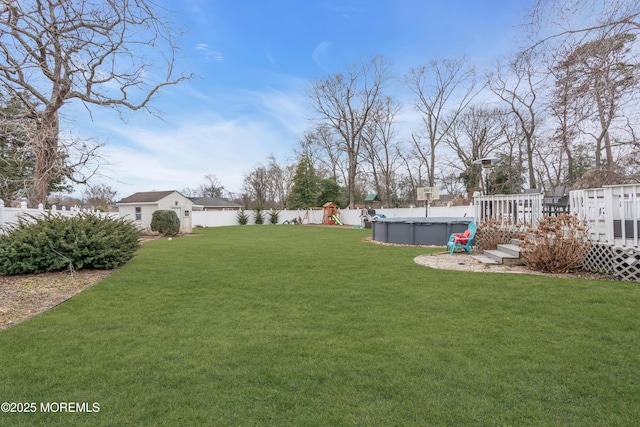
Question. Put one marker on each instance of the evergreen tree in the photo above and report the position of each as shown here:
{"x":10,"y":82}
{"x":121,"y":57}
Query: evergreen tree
{"x":306,"y":186}
{"x":330,"y":191}
{"x":505,"y":177}
{"x":17,"y":160}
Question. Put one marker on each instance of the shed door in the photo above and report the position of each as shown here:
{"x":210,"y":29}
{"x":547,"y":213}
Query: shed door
{"x":178,"y":211}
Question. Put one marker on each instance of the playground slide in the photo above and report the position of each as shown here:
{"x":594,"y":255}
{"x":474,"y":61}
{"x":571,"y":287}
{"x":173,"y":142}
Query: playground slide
{"x":336,"y":219}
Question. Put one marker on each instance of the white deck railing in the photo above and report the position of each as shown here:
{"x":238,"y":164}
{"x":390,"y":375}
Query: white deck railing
{"x":508,"y":208}
{"x":612,"y":212}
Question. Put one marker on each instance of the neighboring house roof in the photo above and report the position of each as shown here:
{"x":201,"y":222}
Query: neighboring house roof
{"x":218,"y":202}
{"x":147,"y":197}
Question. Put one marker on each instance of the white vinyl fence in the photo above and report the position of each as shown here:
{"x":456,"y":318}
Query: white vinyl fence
{"x":11,"y":215}
{"x":314,"y":216}
{"x":225,"y":218}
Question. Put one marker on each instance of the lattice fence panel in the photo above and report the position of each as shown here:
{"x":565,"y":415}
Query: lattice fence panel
{"x":623,"y":264}
{"x":599,"y":259}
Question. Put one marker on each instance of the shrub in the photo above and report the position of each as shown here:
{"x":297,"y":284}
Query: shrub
{"x":258,"y":215}
{"x":242,"y":217}
{"x":492,"y":233}
{"x":556,"y":245}
{"x":274,"y":216}
{"x":54,"y":243}
{"x":165,"y":222}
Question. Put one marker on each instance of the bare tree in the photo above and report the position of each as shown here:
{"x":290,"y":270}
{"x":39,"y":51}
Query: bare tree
{"x":562,"y":20}
{"x":212,"y":187}
{"x":450,"y":183}
{"x":280,"y":182}
{"x":476,"y":134}
{"x":99,"y":196}
{"x":100,"y":52}
{"x":323,"y":149}
{"x":601,"y":75}
{"x":518,"y":85}
{"x":567,"y":111}
{"x":345,"y":103}
{"x":413,"y":177}
{"x":443,"y":89}
{"x":380,"y":149}
{"x":591,"y":40}
{"x":64,"y":199}
{"x":268,"y":186}
{"x":256,"y":186}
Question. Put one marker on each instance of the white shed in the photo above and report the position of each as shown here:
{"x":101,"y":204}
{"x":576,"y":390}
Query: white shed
{"x":139,"y":207}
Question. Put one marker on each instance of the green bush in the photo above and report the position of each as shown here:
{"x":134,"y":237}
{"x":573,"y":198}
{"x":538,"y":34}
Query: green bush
{"x":258,"y":215}
{"x":165,"y":222}
{"x":242,"y":217}
{"x":274,"y":215}
{"x":54,"y":243}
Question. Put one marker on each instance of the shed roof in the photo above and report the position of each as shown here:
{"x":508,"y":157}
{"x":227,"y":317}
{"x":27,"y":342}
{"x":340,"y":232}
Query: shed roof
{"x":146,"y":197}
{"x":214,"y":201}
{"x":372,"y":198}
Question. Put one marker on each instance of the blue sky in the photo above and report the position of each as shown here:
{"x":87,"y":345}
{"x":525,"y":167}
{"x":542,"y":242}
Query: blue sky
{"x":253,"y":59}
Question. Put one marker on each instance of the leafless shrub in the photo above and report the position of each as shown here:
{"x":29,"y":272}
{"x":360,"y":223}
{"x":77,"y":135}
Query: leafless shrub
{"x":556,"y":245}
{"x":492,"y":233}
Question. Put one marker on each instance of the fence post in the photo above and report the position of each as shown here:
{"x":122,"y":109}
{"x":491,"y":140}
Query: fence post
{"x":1,"y":213}
{"x":609,"y":215}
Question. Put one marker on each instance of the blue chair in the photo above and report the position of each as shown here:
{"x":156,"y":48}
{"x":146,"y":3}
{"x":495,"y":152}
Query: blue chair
{"x":462,"y":240}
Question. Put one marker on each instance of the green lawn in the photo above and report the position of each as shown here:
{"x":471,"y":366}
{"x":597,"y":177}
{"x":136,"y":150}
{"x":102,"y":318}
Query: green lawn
{"x":299,"y":325}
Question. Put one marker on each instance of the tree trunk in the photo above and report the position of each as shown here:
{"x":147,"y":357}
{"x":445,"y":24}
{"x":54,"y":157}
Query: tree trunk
{"x":432,"y":169}
{"x":353,"y":166}
{"x":45,"y":149}
{"x":605,"y":122}
{"x":530,"y":165}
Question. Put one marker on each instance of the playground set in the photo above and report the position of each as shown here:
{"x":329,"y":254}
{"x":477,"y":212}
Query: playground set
{"x":331,"y":212}
{"x":330,"y":216}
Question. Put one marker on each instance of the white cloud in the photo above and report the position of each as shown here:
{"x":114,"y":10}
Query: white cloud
{"x":205,"y":130}
{"x":320,"y":54}
{"x":158,"y":160}
{"x":208,"y":53}
{"x":287,"y":108}
{"x":270,"y":58}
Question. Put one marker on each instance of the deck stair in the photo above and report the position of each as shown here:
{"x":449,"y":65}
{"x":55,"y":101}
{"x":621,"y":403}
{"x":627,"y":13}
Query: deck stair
{"x":506,"y":254}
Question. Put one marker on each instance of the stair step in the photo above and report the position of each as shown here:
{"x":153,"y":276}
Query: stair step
{"x":504,"y":258}
{"x":510,"y":249}
{"x":484,"y":259}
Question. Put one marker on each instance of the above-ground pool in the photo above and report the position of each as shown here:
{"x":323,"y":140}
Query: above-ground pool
{"x":418,"y":231}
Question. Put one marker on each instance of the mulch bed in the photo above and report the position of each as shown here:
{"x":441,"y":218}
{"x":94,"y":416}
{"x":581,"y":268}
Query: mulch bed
{"x":26,"y":295}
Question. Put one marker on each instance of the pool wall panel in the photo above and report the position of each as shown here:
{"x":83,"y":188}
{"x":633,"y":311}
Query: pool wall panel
{"x":418,"y":231}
